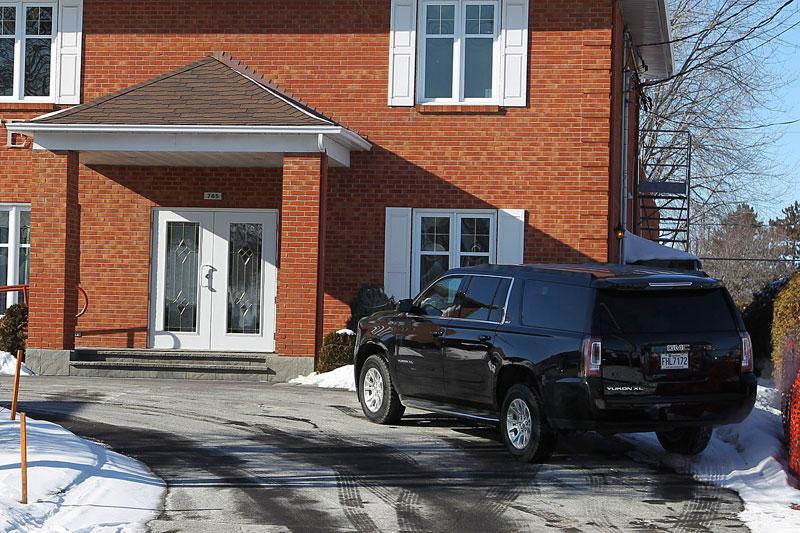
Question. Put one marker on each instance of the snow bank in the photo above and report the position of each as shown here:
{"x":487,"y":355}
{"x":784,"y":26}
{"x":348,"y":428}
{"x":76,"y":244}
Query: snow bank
{"x":341,"y":378}
{"x":748,"y":458}
{"x":73,"y":484}
{"x":8,"y":365}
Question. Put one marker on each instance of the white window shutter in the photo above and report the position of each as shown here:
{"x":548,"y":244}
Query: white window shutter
{"x":68,"y":70}
{"x":515,"y":53}
{"x":510,"y":236}
{"x":402,"y":52}
{"x":397,"y":253}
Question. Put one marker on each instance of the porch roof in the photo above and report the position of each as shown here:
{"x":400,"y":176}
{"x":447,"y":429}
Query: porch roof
{"x":214,"y":112}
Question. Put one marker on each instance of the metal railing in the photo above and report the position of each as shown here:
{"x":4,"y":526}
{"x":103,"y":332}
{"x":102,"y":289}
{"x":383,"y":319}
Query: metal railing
{"x":664,"y":186}
{"x":25,"y":290}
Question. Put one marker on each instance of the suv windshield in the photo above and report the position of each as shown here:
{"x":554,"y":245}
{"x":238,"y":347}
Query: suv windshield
{"x":685,"y":311}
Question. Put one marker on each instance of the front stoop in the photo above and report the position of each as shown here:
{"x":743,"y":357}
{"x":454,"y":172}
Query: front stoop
{"x":201,"y":365}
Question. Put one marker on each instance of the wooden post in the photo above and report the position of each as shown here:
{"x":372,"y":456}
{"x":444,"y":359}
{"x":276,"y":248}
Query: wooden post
{"x":15,"y":391}
{"x":23,"y":444}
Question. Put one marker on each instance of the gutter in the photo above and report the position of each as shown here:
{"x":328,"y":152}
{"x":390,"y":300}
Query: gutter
{"x":347,"y":137}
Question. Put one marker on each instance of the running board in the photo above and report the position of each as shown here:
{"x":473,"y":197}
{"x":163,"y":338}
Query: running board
{"x":443,"y":409}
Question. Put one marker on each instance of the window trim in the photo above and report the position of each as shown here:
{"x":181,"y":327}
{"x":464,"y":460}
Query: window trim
{"x":14,"y":246}
{"x":459,"y":53}
{"x":20,"y":42}
{"x":454,"y":253}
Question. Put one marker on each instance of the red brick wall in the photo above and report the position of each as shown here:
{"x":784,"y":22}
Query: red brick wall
{"x":299,"y":297}
{"x":551,"y":159}
{"x":54,"y":236}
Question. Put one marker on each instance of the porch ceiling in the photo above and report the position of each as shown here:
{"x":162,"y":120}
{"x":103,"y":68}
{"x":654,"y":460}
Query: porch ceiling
{"x":214,"y":112}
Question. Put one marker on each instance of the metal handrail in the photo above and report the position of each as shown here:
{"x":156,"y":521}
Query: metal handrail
{"x":25,"y":290}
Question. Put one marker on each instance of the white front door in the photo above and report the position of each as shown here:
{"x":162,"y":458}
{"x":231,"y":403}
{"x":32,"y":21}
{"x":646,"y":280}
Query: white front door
{"x":214,"y":280}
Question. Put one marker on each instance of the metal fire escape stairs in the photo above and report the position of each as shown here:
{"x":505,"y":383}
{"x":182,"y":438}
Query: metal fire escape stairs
{"x":664,"y":186}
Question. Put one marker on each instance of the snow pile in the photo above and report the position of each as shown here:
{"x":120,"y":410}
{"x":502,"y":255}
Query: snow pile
{"x":73,"y":484}
{"x":341,"y":378}
{"x":345,"y":332}
{"x":8,"y":365}
{"x":748,"y":458}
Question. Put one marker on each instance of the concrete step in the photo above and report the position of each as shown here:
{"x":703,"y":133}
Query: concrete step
{"x":173,"y":356}
{"x":172,"y":370}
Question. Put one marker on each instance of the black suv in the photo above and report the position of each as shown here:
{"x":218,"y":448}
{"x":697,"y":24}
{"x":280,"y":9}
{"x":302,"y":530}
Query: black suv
{"x":541,"y":349}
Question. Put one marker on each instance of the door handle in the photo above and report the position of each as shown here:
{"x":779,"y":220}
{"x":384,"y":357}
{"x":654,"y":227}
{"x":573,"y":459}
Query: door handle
{"x":484,"y":338}
{"x":209,"y":276}
{"x":438,"y":333}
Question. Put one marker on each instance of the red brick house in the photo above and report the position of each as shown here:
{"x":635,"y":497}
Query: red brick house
{"x":224,"y":177}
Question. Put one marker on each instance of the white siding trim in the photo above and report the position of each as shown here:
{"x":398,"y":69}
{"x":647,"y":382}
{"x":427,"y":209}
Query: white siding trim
{"x":510,"y":236}
{"x":402,"y":52}
{"x":397,"y":253}
{"x":514,"y":40}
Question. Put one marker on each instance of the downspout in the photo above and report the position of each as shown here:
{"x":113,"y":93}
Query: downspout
{"x":626,"y":87}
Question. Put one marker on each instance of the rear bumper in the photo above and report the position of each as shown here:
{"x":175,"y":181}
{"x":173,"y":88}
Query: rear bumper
{"x":579,"y":408}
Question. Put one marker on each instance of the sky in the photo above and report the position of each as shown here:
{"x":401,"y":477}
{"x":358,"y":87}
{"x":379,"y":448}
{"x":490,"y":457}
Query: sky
{"x":787,"y":149}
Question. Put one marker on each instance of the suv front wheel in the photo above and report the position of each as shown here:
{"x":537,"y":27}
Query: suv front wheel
{"x":524,"y":428}
{"x":379,"y":399}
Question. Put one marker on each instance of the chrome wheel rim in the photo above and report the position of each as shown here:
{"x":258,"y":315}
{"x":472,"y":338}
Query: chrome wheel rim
{"x":518,"y":424}
{"x":373,"y":390}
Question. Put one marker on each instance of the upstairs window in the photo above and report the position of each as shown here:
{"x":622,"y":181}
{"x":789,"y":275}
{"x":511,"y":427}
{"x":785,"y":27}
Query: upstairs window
{"x":37,"y":41}
{"x":459,"y":52}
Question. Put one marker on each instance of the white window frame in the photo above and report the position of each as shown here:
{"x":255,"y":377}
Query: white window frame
{"x":459,"y":53}
{"x":14,"y":246}
{"x":20,"y":40}
{"x":455,"y":254}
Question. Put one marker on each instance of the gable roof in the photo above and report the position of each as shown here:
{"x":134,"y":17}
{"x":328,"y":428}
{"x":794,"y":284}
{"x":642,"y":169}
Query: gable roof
{"x":215,"y":91}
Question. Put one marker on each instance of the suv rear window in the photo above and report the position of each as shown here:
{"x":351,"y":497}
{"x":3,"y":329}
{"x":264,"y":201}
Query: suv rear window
{"x":686,"y":311}
{"x":556,"y":306}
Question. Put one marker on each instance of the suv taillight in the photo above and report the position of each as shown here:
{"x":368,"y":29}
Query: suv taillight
{"x":592,"y":361}
{"x":747,"y":353}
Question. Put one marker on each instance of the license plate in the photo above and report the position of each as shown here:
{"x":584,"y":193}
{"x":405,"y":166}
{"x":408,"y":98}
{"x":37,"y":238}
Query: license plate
{"x":675,"y":361}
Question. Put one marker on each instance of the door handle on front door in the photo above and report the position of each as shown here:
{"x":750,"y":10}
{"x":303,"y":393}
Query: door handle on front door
{"x":438,"y":333}
{"x":484,"y":338}
{"x":209,"y":277}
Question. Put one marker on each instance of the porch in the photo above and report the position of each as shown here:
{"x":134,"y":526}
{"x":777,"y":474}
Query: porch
{"x":192,"y":208}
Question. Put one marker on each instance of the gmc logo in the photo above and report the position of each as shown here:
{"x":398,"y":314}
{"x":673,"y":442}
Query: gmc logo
{"x":677,"y":347}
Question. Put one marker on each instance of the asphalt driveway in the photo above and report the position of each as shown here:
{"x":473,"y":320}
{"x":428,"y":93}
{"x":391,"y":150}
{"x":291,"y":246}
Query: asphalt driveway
{"x":257,"y":457}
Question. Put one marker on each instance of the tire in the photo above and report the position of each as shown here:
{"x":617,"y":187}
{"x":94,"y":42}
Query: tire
{"x":376,"y":392}
{"x":686,"y":441}
{"x":523,"y":426}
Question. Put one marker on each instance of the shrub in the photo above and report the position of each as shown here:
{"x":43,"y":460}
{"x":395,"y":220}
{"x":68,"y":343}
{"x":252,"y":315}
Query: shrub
{"x":758,"y":320}
{"x":370,"y":299}
{"x":785,"y":327}
{"x":336,"y":351}
{"x":12,"y":328}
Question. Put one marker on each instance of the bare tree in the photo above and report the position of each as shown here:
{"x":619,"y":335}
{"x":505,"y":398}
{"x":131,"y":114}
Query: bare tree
{"x":725,"y":85}
{"x":744,"y":252}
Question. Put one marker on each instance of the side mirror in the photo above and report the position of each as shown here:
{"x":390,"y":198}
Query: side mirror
{"x":405,"y":306}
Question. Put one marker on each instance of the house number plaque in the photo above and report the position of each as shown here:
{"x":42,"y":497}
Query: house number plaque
{"x":212,"y":196}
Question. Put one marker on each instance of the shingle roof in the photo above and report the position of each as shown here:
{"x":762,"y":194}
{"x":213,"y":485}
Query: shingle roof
{"x":213,"y":91}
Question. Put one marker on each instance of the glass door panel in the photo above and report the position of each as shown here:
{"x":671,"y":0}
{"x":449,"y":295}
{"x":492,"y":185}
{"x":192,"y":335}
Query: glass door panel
{"x":181,"y":276}
{"x":244,"y":278}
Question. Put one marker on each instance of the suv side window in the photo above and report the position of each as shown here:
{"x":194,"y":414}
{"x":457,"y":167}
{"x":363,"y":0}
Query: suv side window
{"x":556,"y":306}
{"x":440,"y":298}
{"x":484,"y":298}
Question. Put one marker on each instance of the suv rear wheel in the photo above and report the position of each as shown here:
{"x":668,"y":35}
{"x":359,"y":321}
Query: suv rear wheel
{"x":523,"y":426}
{"x":379,"y":399}
{"x":686,"y":441}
